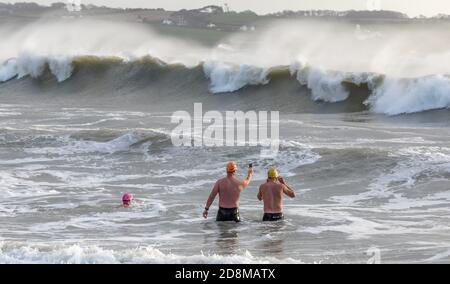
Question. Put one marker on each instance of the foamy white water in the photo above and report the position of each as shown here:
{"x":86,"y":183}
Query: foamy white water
{"x":60,"y":188}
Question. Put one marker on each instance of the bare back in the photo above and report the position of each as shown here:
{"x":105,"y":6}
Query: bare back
{"x":229,"y":189}
{"x":272,"y":195}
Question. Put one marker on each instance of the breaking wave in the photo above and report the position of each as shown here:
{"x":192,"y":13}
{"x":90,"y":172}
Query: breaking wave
{"x":332,"y":59}
{"x":388,"y":95}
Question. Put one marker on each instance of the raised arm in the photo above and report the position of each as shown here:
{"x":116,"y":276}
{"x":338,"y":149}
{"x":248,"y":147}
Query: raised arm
{"x":248,"y":180}
{"x":211,"y":198}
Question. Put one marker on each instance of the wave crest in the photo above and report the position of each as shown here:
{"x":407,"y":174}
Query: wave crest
{"x":389,"y":95}
{"x":397,"y":96}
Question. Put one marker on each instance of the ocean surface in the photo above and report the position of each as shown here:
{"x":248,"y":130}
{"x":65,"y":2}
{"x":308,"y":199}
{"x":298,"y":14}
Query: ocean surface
{"x":85,"y":116}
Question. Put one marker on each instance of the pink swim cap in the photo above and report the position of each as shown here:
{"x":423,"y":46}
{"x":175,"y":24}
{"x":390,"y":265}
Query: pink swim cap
{"x":127,"y":198}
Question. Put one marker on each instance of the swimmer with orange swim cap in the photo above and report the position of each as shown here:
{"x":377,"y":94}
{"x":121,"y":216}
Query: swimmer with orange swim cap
{"x":229,"y":189}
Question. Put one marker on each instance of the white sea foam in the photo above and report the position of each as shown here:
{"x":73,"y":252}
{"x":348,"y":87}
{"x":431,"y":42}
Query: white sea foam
{"x":27,"y":161}
{"x":8,"y":70}
{"x":325,"y":86}
{"x":226,"y":77}
{"x":18,"y":184}
{"x":397,"y":96}
{"x":114,"y":219}
{"x":79,"y":254}
{"x":390,"y":95}
{"x":12,"y":210}
{"x":61,"y":67}
{"x":291,"y":156}
{"x":29,"y":64}
{"x":438,"y":257}
{"x":34,"y":65}
{"x":342,"y":219}
{"x":416,"y":164}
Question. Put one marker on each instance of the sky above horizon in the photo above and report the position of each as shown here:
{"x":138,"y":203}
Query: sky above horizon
{"x":410,"y":7}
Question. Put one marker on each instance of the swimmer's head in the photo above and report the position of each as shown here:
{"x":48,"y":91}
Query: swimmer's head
{"x":231,"y":167}
{"x":273,"y":173}
{"x":127,"y":198}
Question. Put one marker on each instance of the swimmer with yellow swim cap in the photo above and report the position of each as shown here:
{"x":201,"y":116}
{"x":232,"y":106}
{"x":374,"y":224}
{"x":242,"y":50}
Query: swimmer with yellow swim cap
{"x":229,"y":189}
{"x":272,"y":194}
{"x":273,"y":173}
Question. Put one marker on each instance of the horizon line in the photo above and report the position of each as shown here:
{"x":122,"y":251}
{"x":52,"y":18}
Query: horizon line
{"x":222,"y":6}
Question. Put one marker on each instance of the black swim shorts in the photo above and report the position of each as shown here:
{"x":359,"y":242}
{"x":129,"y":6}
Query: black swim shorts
{"x":273,"y":217}
{"x":228,"y":214}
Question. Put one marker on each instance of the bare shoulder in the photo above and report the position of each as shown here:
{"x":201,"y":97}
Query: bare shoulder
{"x":282,"y":187}
{"x":238,"y":181}
{"x":261,"y":187}
{"x":221,"y":180}
{"x":264,"y":186}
